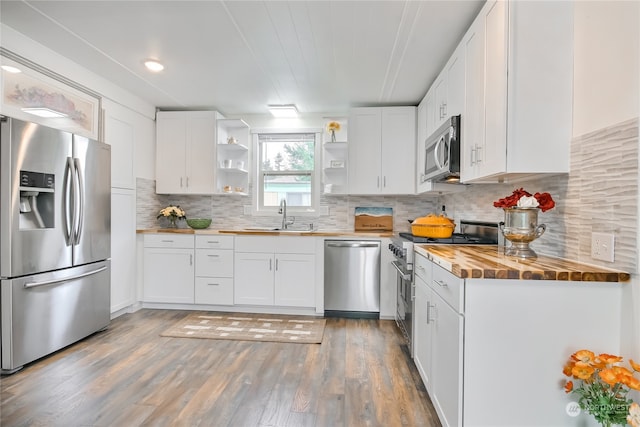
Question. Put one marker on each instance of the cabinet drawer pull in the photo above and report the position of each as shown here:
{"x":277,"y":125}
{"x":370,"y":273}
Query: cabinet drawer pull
{"x":213,"y":284}
{"x":213,"y":241}
{"x":441,"y":283}
{"x":166,"y":241}
{"x":213,"y":256}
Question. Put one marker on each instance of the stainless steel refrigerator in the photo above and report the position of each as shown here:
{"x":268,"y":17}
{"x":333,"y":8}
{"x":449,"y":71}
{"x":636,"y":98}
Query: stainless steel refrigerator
{"x":55,"y":224}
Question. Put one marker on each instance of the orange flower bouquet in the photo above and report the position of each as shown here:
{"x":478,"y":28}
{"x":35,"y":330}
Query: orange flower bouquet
{"x":604,"y":386}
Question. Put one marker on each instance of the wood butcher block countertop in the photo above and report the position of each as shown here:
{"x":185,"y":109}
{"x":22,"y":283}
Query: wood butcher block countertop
{"x":315,"y":233}
{"x":484,"y":262}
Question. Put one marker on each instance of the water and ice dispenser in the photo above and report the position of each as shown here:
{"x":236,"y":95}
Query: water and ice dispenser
{"x":36,"y":200}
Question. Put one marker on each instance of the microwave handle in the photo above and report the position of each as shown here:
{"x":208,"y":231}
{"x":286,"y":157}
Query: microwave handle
{"x":436,"y":150}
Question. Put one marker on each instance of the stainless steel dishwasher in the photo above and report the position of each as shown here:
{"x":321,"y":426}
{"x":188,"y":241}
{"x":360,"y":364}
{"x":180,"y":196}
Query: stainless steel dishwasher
{"x":352,"y":278}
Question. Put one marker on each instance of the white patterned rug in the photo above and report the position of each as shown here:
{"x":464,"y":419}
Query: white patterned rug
{"x":249,"y":327}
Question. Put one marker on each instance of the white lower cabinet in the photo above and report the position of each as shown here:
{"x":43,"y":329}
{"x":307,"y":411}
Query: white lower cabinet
{"x":168,"y":268}
{"x":438,"y":338}
{"x":294,"y":280}
{"x":274,"y":271}
{"x":254,"y":278}
{"x":491,"y":351}
{"x":423,"y":331}
{"x":214,"y":270}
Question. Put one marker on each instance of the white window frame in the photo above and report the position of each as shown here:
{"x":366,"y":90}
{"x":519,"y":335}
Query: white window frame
{"x":316,"y":176}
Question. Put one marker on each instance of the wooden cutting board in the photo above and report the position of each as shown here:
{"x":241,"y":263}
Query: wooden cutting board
{"x":373,"y":219}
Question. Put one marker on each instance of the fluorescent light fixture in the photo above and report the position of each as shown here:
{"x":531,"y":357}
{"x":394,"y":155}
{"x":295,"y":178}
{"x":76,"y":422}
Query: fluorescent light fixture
{"x":288,"y":110}
{"x":153,"y":65}
{"x":10,"y":69}
{"x":44,"y":112}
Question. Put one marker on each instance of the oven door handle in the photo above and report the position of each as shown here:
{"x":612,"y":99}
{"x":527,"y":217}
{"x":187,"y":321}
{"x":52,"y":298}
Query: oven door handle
{"x":403,"y":275}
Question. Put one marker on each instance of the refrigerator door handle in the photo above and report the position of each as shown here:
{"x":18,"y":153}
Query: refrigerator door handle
{"x":68,"y":217}
{"x":79,"y":200}
{"x":63,"y":279}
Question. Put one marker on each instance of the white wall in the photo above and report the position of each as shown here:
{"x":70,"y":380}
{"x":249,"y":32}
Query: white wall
{"x":606,"y":92}
{"x":606,"y":86}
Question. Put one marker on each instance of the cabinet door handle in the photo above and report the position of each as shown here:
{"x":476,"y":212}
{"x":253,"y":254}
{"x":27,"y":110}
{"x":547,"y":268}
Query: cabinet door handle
{"x":428,"y":312}
{"x":180,"y":181}
{"x":413,"y":291}
{"x":441,"y":283}
{"x":384,"y":181}
{"x":190,"y":259}
{"x":473,"y":155}
{"x":378,"y":182}
{"x":478,"y":157}
{"x":270,"y":264}
{"x":276,"y":264}
{"x":187,"y":181}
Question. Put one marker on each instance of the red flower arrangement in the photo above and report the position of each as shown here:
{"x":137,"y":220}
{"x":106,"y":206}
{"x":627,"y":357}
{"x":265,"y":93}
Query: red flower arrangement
{"x":522,"y":198}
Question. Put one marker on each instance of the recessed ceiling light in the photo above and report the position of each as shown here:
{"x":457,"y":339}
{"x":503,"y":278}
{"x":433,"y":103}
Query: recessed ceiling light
{"x":10,"y":69}
{"x":288,"y":110}
{"x":153,"y":65}
{"x":44,"y":112}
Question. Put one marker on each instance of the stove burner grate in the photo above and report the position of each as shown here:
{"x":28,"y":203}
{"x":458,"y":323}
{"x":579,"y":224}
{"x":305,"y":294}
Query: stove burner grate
{"x":455,"y":239}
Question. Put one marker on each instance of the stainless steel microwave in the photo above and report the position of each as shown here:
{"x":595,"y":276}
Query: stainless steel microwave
{"x":442,"y":153}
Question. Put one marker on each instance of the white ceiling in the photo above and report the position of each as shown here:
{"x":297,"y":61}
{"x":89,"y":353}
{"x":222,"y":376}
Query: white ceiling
{"x":238,"y":56}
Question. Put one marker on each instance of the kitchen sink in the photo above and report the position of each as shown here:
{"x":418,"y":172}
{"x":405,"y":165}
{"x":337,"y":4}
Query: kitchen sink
{"x":268,"y":230}
{"x":261,"y":229}
{"x":277,"y":230}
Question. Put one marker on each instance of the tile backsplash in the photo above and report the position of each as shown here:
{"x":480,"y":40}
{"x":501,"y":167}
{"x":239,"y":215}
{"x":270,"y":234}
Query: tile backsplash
{"x":599,"y":194}
{"x":227,"y":211}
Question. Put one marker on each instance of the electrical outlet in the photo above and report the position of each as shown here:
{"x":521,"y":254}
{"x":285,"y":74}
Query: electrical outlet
{"x":602,"y":245}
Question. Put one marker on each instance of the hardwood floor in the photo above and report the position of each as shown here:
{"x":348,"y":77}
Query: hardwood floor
{"x":129,"y":375}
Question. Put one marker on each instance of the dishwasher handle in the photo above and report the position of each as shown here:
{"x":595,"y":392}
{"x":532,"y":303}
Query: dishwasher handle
{"x":353,"y":245}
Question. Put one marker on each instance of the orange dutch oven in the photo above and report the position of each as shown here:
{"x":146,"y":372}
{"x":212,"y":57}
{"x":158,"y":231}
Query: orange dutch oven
{"x":433,"y":226}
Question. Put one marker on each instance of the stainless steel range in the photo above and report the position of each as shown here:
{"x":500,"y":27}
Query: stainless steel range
{"x":472,"y":233}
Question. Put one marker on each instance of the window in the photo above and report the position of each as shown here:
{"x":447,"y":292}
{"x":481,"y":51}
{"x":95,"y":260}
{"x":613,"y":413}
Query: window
{"x":287,"y":170}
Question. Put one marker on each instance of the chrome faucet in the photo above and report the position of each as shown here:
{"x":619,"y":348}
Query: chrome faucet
{"x":283,"y":211}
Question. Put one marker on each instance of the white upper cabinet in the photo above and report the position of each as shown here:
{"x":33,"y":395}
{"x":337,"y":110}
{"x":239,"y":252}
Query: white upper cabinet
{"x":185,"y":152}
{"x":445,"y":98}
{"x":119,"y":133}
{"x":381,"y":150}
{"x":520,"y":126}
